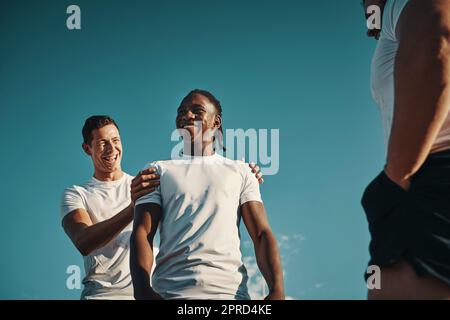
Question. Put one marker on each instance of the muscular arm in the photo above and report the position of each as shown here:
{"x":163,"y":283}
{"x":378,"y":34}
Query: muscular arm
{"x":87,"y":236}
{"x":422,"y":83}
{"x":266,"y":247}
{"x":147,"y":217}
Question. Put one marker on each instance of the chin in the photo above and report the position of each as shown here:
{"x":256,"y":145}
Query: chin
{"x":113,"y":169}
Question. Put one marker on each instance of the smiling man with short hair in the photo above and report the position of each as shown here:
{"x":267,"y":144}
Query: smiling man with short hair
{"x":97,"y":215}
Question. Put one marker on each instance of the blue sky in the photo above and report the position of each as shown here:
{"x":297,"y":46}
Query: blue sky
{"x":298,"y":66}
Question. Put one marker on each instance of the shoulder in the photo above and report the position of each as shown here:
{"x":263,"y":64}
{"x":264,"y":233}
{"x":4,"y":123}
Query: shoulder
{"x":391,"y":14}
{"x":424,"y":18}
{"x":73,"y":197}
{"x":74,"y":190}
{"x":239,"y":165}
{"x":78,"y":190}
{"x":159,"y":165}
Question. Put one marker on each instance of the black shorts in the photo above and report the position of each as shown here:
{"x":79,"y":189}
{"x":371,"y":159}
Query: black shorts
{"x":413,"y":225}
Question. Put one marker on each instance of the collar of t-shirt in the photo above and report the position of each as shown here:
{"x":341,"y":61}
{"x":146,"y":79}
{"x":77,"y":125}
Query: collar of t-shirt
{"x":201,"y":159}
{"x":108,"y":184}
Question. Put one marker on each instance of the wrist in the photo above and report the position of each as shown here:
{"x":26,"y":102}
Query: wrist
{"x":399,"y":179}
{"x":130,"y":210}
{"x":277,"y":288}
{"x":276,"y":294}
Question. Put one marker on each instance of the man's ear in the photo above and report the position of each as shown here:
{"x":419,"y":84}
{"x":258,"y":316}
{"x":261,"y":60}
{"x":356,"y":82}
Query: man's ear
{"x":218,"y":121}
{"x":87,"y":149}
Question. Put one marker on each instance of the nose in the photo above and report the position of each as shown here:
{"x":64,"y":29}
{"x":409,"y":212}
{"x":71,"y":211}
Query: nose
{"x":109,"y":146}
{"x":189,"y":115}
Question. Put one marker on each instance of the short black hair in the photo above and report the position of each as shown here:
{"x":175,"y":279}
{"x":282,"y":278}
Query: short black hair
{"x":95,"y":122}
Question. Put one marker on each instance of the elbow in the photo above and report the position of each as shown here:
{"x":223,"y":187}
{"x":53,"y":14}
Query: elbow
{"x":441,"y":55}
{"x":83,"y":248}
{"x":264,"y":235}
{"x":132,"y":239}
{"x":84,"y":251}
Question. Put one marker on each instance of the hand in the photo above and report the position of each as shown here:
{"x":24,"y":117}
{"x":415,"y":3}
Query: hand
{"x":144,"y":183}
{"x":275,"y":295}
{"x":404,"y":183}
{"x":257,"y":171}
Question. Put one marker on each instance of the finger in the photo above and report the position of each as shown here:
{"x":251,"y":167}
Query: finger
{"x":141,"y":178}
{"x":145,"y":172}
{"x":154,"y":183}
{"x":256,"y":169}
{"x":144,"y":185}
{"x":148,"y":170}
{"x":258,"y":175}
{"x":261,"y":181}
{"x":150,"y":177}
{"x":252,"y":164}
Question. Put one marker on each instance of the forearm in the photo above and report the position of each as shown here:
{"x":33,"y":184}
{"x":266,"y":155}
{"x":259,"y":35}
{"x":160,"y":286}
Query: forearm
{"x":269,"y":261}
{"x":141,"y":262}
{"x":416,"y":127}
{"x":99,"y":234}
{"x":422,"y":99}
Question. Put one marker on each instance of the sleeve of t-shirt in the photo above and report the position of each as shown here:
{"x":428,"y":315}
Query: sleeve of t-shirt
{"x":155,"y":196}
{"x":250,"y":187}
{"x":391,"y":15}
{"x":71,"y":200}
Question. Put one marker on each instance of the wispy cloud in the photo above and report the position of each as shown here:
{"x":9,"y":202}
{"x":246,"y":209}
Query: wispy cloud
{"x":289,"y":246}
{"x":256,"y":284}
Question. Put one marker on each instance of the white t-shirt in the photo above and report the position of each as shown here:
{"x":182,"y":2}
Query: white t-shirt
{"x":382,"y":73}
{"x":107,"y":269}
{"x":199,"y":255}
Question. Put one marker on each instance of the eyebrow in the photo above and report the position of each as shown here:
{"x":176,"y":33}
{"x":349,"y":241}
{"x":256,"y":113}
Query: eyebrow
{"x":104,"y":140}
{"x":198,"y":106}
{"x":193,"y":106}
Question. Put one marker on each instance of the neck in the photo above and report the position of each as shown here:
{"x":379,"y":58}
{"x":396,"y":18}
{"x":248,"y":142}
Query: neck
{"x":108,"y":176}
{"x":196,"y":149}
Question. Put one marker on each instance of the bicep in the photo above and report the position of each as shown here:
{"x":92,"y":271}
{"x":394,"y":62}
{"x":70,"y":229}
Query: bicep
{"x":75,"y":222}
{"x":255,"y":218}
{"x":422,"y":68}
{"x":146,"y":219}
{"x":423,"y":29}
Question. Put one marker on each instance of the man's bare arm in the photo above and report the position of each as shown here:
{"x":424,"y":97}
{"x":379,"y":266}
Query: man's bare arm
{"x":266,"y":247}
{"x":87,"y":236}
{"x":422,"y":83}
{"x":147,"y":217}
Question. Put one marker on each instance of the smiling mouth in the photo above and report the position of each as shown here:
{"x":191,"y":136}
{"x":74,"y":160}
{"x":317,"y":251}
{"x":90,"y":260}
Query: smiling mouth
{"x":111,"y":159}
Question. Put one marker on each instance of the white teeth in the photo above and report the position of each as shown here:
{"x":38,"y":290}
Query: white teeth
{"x":113,"y":158}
